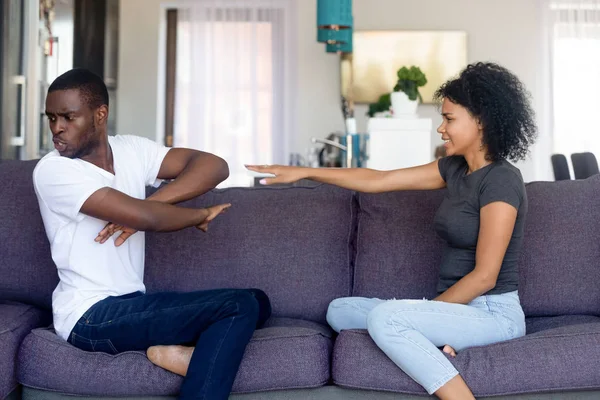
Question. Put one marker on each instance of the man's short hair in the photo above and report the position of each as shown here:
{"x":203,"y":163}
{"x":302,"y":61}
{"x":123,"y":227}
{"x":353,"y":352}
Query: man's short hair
{"x":91,"y":86}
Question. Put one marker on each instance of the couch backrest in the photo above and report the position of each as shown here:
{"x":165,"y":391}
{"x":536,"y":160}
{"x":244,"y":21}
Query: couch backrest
{"x":294,"y":243}
{"x":398,"y":252}
{"x":560,"y":263}
{"x":27,"y":272}
{"x":297,"y":244}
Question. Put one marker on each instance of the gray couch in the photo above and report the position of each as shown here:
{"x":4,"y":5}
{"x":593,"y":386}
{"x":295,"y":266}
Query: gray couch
{"x":306,"y":246}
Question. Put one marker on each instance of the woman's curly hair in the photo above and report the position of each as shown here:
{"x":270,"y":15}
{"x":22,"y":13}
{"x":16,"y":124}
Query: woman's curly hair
{"x":499,"y":100}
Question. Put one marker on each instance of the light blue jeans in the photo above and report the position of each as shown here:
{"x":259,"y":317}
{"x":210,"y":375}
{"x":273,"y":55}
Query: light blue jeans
{"x":410,"y":332}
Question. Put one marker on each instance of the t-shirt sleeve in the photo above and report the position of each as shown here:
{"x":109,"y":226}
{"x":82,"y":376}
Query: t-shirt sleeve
{"x":448,"y":165}
{"x":151,"y":156}
{"x":64,"y":186}
{"x":503,"y":185}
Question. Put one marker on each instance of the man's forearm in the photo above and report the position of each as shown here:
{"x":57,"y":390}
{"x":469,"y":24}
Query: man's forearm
{"x":162,"y":217}
{"x":199,"y":176}
{"x":108,"y":204}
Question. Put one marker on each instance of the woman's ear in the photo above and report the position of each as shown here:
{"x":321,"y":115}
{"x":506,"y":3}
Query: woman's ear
{"x":479,"y":125}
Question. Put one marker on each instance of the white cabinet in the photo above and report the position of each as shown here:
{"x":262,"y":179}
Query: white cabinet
{"x":399,"y":142}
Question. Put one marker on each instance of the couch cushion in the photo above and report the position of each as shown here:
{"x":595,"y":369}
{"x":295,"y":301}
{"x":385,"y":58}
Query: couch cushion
{"x":563,"y":358}
{"x":293,"y":242}
{"x":28,"y":272}
{"x":16,"y":321}
{"x":538,"y":324}
{"x":285,"y":354}
{"x":397,"y":250}
{"x":561,"y":249}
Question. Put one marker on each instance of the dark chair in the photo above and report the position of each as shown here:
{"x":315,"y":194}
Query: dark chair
{"x":584,"y":165}
{"x":560,"y":167}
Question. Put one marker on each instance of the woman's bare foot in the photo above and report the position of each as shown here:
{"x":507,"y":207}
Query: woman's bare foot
{"x":172,"y":358}
{"x":449,"y":350}
{"x":455,"y":389}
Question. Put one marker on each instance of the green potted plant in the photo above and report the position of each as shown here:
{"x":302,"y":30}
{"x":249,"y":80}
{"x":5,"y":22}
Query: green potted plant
{"x":383,"y":104}
{"x":406,"y":96}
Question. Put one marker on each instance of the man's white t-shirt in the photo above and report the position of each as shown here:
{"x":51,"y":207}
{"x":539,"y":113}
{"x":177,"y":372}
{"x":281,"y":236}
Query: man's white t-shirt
{"x":90,"y":271}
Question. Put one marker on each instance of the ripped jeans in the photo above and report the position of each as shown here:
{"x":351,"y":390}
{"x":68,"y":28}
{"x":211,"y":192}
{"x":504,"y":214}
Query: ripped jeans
{"x":410,"y":332}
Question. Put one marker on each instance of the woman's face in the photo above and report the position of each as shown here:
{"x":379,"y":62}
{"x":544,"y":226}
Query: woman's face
{"x":461,"y":132}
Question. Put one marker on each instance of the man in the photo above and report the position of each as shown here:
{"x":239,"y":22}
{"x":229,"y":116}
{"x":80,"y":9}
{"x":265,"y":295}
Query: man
{"x":93,"y":186}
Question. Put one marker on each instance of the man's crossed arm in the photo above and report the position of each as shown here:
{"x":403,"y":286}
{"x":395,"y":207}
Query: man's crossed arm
{"x":194,"y":173}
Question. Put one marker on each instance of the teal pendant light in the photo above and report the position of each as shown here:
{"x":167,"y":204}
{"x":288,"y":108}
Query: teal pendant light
{"x":340,"y":47}
{"x":334,"y":14}
{"x":343,"y":46}
{"x":334,"y":36}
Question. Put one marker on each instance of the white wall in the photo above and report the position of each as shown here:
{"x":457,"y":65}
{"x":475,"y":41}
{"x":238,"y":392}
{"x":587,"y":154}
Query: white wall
{"x":508,"y":32}
{"x":137,"y":93}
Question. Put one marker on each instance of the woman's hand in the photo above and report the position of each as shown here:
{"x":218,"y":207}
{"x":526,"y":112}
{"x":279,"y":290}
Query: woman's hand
{"x":283,"y":174}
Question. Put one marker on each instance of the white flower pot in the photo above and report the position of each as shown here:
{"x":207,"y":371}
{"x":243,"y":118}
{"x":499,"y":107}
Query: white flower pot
{"x":402,"y":106}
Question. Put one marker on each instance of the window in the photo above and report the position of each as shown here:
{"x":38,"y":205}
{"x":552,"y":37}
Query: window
{"x":230,"y":72}
{"x":576,"y":75}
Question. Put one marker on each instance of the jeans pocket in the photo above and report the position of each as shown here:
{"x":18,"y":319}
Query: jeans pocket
{"x":85,"y":344}
{"x":104,"y":346}
{"x":80,"y":342}
{"x":514,"y":325}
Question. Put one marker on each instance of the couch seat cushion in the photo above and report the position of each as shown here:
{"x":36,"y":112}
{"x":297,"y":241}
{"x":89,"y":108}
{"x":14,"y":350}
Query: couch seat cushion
{"x":286,"y":353}
{"x":561,"y":358}
{"x":16,"y":321}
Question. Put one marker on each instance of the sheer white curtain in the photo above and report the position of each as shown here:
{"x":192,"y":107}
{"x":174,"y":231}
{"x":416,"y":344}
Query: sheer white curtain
{"x":234,"y":64}
{"x":576,"y":75}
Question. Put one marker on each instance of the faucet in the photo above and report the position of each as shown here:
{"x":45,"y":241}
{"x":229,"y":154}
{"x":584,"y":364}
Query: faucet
{"x":329,"y":142}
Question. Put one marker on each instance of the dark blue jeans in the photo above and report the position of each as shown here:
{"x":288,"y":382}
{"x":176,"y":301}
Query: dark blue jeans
{"x":219,"y":323}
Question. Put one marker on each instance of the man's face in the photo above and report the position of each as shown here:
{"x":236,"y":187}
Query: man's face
{"x":72,"y":122}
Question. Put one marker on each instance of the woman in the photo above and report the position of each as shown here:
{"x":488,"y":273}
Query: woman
{"x":487,"y":119}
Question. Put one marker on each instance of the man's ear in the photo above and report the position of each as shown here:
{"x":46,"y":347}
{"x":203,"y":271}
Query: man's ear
{"x":101,"y":115}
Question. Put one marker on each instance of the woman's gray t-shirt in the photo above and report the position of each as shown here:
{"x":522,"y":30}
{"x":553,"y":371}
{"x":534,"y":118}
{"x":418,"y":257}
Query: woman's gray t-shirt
{"x":457,"y":219}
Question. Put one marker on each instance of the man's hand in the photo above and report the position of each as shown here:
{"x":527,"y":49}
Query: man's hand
{"x":213,"y":212}
{"x":110,"y":230}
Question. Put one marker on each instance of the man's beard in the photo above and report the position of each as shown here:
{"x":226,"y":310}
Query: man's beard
{"x":91,"y":143}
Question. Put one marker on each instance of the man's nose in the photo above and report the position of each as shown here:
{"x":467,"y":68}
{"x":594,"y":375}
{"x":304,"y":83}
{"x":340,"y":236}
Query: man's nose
{"x":57,"y":127}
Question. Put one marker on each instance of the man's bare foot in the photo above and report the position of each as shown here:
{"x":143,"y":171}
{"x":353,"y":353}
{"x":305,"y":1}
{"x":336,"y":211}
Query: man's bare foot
{"x":172,"y":358}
